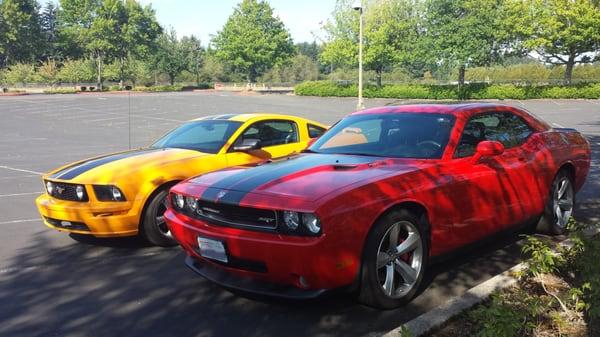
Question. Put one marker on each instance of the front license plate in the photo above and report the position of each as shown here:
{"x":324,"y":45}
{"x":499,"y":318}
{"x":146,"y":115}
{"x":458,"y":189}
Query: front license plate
{"x":212,"y":249}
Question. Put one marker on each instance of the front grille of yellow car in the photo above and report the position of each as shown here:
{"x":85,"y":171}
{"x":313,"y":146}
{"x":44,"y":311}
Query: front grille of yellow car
{"x":64,"y":191}
{"x":236,"y":216}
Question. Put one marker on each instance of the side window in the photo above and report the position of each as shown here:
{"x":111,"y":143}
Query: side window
{"x":315,"y":131}
{"x":271,"y":133}
{"x":506,"y":128}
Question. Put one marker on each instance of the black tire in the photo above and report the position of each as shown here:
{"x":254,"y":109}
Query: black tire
{"x":151,"y":229}
{"x":371,"y":290}
{"x":550,"y":222}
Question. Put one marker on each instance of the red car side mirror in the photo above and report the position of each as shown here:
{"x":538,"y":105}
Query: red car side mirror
{"x":488,"y":148}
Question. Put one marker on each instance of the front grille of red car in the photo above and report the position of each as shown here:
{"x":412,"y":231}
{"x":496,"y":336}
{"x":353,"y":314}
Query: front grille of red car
{"x":236,"y":216}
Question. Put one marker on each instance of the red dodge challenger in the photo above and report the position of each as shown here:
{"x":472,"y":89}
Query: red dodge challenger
{"x":376,"y":197}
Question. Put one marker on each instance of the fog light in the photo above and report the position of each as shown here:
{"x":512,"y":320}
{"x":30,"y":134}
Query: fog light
{"x":79,"y":192}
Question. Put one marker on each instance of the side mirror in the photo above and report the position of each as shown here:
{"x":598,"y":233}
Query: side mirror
{"x":247,"y":145}
{"x":488,"y":148}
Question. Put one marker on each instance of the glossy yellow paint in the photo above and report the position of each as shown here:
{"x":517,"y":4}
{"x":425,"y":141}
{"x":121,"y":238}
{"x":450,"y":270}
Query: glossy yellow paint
{"x":138,"y":177}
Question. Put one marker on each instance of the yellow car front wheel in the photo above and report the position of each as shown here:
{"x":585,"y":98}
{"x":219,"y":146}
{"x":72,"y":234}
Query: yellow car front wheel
{"x":153,"y":227}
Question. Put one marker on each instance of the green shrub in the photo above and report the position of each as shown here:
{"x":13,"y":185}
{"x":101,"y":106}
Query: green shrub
{"x":61,"y":91}
{"x":446,"y":92}
{"x":159,"y":88}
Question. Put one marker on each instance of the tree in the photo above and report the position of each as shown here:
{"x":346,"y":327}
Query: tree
{"x":170,"y":57}
{"x":103,"y":36}
{"x":138,"y":31}
{"x":49,"y":27}
{"x":391,"y":35}
{"x":253,"y":40}
{"x":561,"y":32}
{"x":21,"y":34}
{"x":75,"y":18}
{"x":465,"y":33}
{"x":194,"y":54}
{"x":76,"y":71}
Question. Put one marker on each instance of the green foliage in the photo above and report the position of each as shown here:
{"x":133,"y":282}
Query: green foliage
{"x":159,"y":88}
{"x":253,"y":40}
{"x":76,"y":71}
{"x":301,"y":68}
{"x":468,"y":91}
{"x":499,"y":319}
{"x":47,"y":72}
{"x":61,"y":91}
{"x":171,"y":56}
{"x":465,"y":33}
{"x":561,"y":31}
{"x":20,"y":32}
{"x":20,"y":73}
{"x":542,"y":259}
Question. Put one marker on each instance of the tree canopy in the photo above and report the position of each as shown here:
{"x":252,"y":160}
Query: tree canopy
{"x":253,"y":40}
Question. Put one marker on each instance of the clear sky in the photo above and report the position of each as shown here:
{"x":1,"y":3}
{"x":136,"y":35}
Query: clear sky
{"x":204,"y":18}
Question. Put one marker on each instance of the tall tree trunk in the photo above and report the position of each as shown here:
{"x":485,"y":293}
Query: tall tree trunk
{"x":461,"y":76}
{"x":172,"y":79}
{"x":121,"y":72}
{"x":569,"y":70}
{"x":99,"y":71}
{"x":378,"y":77}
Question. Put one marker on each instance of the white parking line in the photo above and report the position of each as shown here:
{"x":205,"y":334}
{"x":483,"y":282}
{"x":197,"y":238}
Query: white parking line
{"x":19,"y":221}
{"x":17,"y":177}
{"x":19,"y":170}
{"x":17,"y":194}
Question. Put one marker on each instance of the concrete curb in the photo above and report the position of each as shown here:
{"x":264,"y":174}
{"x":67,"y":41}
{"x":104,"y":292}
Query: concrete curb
{"x":438,"y":316}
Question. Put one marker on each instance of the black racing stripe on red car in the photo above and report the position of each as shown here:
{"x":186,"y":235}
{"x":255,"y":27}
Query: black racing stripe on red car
{"x":238,"y":185}
{"x":75,"y":170}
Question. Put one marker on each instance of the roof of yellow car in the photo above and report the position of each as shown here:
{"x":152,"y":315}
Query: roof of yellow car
{"x":243,"y":117}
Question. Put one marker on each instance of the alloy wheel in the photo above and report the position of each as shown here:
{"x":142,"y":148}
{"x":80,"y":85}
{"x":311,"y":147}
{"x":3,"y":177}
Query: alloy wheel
{"x":563,"y":202}
{"x":399,"y":259}
{"x":159,"y":219}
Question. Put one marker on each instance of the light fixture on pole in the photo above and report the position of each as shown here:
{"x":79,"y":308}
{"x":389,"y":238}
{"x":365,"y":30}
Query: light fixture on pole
{"x":358,"y":7}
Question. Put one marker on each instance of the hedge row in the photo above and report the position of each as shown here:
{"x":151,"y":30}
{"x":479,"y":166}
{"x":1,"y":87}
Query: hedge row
{"x":157,"y":88}
{"x":469,"y":91}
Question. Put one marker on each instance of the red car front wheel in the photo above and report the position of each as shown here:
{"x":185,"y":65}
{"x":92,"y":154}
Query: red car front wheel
{"x":395,"y":258}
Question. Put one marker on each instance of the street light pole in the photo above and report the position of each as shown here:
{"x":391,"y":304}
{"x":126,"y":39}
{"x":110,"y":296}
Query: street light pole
{"x":358,"y":6}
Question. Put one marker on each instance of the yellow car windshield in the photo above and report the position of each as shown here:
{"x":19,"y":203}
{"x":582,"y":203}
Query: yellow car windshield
{"x":205,"y":135}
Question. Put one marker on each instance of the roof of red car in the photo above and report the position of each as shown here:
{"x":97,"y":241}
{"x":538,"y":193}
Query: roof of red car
{"x":435,"y":108}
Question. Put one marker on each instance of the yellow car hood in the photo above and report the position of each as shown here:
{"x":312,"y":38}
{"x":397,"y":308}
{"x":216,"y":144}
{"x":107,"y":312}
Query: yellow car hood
{"x":116,"y":166}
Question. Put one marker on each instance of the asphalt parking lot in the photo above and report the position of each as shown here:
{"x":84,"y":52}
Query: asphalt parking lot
{"x":52,"y":284}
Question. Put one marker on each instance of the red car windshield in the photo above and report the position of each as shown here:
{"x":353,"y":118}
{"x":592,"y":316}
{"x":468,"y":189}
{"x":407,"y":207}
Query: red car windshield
{"x":405,"y":135}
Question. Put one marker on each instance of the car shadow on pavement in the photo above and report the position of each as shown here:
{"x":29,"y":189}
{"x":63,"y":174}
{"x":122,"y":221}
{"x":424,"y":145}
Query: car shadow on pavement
{"x":132,"y":242}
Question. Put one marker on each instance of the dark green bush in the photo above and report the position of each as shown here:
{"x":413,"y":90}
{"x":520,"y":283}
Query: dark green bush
{"x":159,"y":88}
{"x":468,"y":91}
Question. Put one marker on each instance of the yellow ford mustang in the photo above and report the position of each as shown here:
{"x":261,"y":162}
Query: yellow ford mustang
{"x":124,"y":193}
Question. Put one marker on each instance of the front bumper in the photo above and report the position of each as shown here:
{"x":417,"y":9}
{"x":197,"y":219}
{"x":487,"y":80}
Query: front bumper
{"x":101,"y":219}
{"x":228,"y":280}
{"x":286,"y":266}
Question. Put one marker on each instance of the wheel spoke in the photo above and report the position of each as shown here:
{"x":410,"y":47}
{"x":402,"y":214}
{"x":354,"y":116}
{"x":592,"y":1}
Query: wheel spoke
{"x":558,"y":213}
{"x":562,"y":189}
{"x":160,"y":220}
{"x":383,"y":258}
{"x":394,"y":234}
{"x":565,"y":205}
{"x":409,"y":244}
{"x":388,"y":285}
{"x":408,"y":274}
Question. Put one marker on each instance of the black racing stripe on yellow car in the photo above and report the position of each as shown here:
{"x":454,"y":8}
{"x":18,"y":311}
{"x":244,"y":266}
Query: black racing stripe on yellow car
{"x":75,"y":170}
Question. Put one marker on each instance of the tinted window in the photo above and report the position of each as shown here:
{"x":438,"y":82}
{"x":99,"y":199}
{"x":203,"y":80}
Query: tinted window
{"x":406,"y":135}
{"x":206,"y":135}
{"x":506,"y":128}
{"x":271,"y":133}
{"x":315,"y":131}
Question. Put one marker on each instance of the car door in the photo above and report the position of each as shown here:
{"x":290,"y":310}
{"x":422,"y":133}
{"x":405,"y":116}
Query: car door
{"x":490,"y":191}
{"x":277,"y":138}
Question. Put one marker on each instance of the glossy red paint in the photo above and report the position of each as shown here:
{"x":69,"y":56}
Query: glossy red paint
{"x":463,"y":199}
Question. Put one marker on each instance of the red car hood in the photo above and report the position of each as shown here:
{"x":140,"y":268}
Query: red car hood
{"x":307,"y":177}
